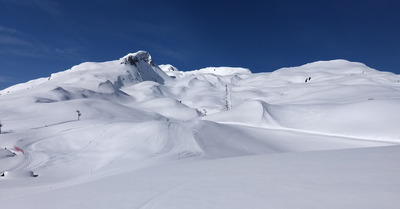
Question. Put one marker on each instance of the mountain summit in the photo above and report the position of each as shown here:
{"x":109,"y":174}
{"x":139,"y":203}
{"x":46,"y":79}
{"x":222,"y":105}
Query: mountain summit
{"x":145,"y":67}
{"x":104,"y":77}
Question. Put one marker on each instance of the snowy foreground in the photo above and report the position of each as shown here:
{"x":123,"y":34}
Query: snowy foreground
{"x":322,"y":135}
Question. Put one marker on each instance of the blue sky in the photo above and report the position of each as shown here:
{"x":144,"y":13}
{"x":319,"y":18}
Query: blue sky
{"x":40,"y":37}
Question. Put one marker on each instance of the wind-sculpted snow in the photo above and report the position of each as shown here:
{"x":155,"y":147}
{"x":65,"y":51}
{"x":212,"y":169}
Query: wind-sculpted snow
{"x":130,"y":134}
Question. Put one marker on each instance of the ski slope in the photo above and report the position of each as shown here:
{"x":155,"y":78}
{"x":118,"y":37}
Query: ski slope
{"x":321,"y":135}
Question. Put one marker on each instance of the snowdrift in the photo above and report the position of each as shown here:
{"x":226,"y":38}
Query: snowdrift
{"x":251,"y":113}
{"x":370,"y":120}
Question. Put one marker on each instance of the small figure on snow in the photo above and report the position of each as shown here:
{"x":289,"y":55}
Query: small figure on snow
{"x":79,"y":114}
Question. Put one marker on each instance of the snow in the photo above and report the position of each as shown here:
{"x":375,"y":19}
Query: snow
{"x":222,"y":70}
{"x":155,"y":137}
{"x":210,"y":71}
{"x":168,"y":68}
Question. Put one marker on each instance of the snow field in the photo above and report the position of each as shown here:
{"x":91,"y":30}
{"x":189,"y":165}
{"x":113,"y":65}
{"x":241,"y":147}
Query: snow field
{"x":146,"y":140}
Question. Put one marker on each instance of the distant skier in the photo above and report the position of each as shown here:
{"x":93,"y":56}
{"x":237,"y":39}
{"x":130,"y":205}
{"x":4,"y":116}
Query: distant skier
{"x":79,"y":114}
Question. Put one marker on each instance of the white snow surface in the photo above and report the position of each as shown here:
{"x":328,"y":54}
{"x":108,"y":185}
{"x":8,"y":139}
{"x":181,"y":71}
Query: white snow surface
{"x":322,"y":135}
{"x":221,"y":71}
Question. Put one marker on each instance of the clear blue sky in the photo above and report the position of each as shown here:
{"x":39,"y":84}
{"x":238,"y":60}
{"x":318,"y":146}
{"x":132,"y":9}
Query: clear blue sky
{"x":40,"y":37}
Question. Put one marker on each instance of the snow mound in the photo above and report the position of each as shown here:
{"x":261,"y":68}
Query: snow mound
{"x":251,"y":113}
{"x":221,"y":71}
{"x":168,"y":68}
{"x":169,"y":108}
{"x":370,"y":120}
{"x":322,"y":71}
{"x":172,"y":71}
{"x":373,"y":119}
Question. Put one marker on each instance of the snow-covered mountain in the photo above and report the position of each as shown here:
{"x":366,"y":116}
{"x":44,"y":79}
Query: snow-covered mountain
{"x":321,"y":135}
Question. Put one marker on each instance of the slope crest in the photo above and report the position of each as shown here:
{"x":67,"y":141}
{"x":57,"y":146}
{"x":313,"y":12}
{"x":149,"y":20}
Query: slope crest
{"x":255,"y":113}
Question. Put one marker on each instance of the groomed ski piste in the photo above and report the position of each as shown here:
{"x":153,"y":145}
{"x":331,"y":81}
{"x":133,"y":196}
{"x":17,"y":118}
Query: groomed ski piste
{"x":322,"y":135}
